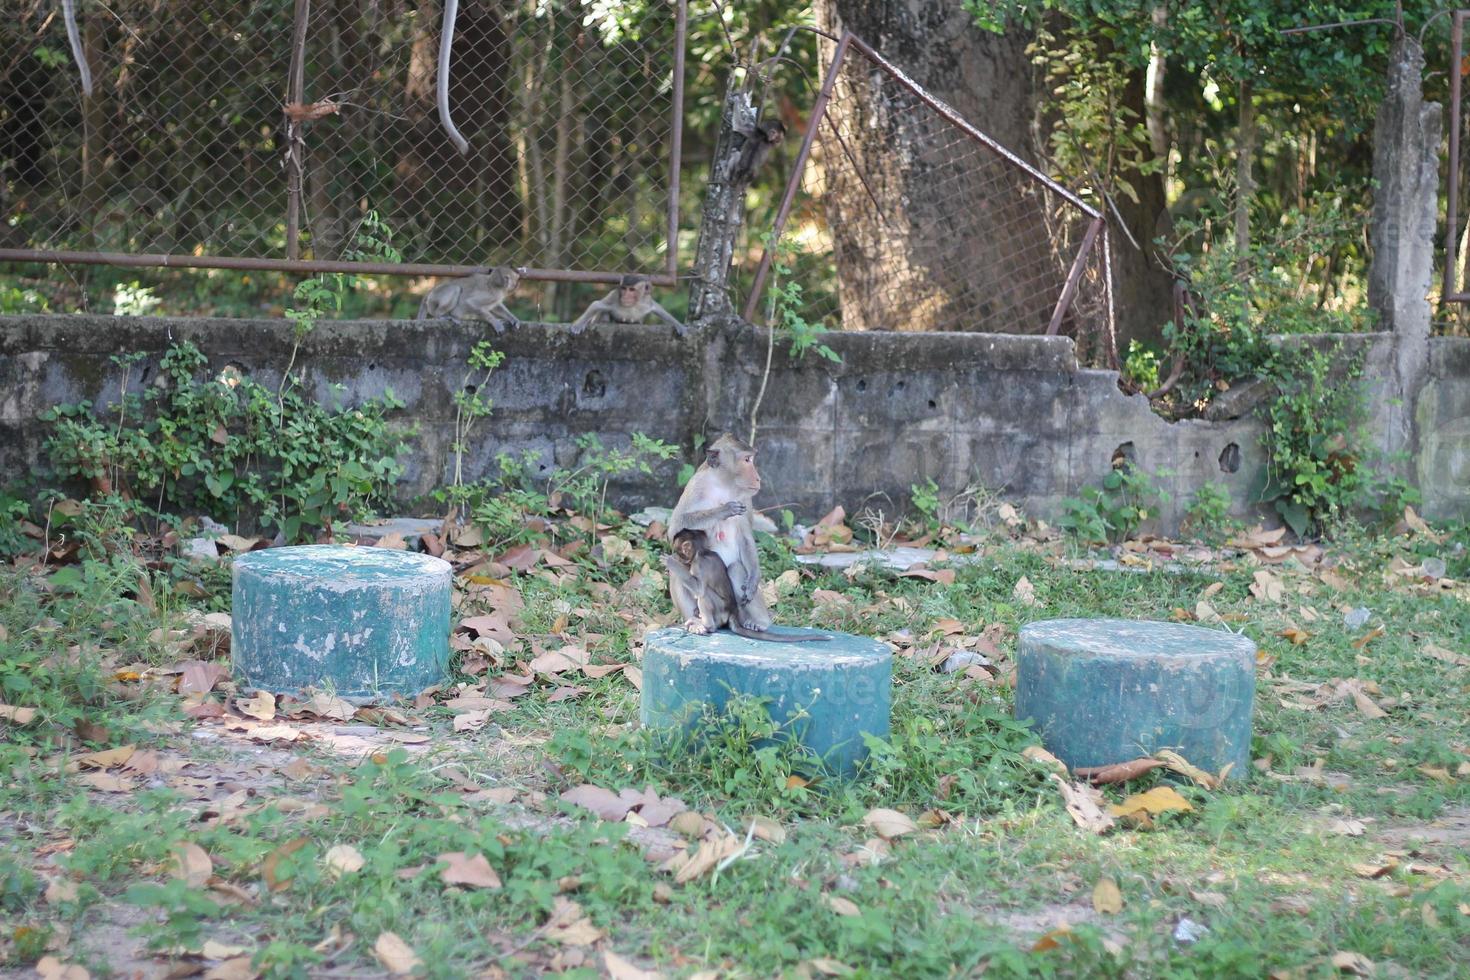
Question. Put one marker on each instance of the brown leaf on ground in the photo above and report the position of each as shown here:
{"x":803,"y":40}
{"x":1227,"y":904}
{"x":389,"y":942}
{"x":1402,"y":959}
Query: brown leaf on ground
{"x":60,"y":890}
{"x":192,"y":864}
{"x":397,"y":956}
{"x":200,"y":676}
{"x":232,"y":968}
{"x":603,"y":802}
{"x":565,"y":693}
{"x":621,"y":969}
{"x":107,"y":758}
{"x":343,"y":859}
{"x":262,"y":706}
{"x":710,"y":853}
{"x":50,"y":968}
{"x":554,"y":662}
{"x":1160,"y":799}
{"x":843,"y":906}
{"x":17,"y":715}
{"x":472,"y":870}
{"x":1362,"y":642}
{"x":569,"y":925}
{"x":766,"y":829}
{"x":1024,"y":592}
{"x":1267,"y":587}
{"x":944,"y":576}
{"x":269,"y":869}
{"x":889,"y":824}
{"x":1119,"y":772}
{"x":1356,"y":964}
{"x":1083,"y":804}
{"x":1296,"y":635}
{"x":1177,"y":763}
{"x":1430,"y":650}
{"x":325,"y":705}
{"x":1106,"y":898}
{"x":1038,"y":754}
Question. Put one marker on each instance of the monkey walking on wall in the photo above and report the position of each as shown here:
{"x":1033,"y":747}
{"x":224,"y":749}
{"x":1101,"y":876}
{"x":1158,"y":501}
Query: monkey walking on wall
{"x":704,"y":581}
{"x":629,"y":303}
{"x":717,"y":501}
{"x":477,"y":297}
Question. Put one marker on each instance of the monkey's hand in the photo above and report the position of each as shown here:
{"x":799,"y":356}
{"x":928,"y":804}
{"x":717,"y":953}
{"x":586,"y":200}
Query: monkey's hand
{"x":696,"y":627}
{"x":733,"y":508}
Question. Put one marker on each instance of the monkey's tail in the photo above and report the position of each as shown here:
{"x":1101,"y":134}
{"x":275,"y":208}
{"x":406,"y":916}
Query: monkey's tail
{"x":739,"y":630}
{"x":423,"y":313}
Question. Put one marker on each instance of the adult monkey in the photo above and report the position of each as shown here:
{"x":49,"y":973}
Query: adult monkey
{"x":702,"y":577}
{"x":717,"y":501}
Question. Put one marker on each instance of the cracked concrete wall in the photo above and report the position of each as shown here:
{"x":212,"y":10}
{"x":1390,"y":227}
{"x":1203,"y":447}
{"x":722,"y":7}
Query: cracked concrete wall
{"x":1015,"y":414}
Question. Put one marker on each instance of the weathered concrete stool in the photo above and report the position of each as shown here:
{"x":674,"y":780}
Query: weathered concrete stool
{"x":829,"y":693}
{"x":1102,"y":691}
{"x":358,"y":621}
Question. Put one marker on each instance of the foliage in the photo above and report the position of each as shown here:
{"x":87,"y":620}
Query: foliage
{"x":471,"y":403}
{"x":1113,"y":512}
{"x":227,"y":446}
{"x":585,"y":486}
{"x":1209,"y":512}
{"x":1315,"y":474}
{"x":1141,"y":367}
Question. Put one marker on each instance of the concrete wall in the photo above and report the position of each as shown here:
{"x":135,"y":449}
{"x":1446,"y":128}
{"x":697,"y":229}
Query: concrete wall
{"x":1013,"y":413}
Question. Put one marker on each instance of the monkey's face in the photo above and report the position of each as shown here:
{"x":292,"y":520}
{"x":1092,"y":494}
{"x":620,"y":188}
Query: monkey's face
{"x":630,"y":296}
{"x":507,"y":279}
{"x":747,"y":477}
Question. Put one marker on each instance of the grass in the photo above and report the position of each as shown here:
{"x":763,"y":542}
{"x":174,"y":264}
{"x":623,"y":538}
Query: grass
{"x":997,"y":879}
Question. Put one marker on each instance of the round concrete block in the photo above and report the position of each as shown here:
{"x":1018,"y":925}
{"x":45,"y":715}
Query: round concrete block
{"x":358,"y":621}
{"x":830,"y":693}
{"x":1102,"y":691}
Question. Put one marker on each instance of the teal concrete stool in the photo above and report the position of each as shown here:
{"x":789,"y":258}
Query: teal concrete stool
{"x":362,"y":622}
{"x":829,"y":693}
{"x":1102,"y":691}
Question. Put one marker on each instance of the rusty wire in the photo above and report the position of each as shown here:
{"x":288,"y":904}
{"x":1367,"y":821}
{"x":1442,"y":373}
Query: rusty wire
{"x":188,"y":148}
{"x":902,"y":216}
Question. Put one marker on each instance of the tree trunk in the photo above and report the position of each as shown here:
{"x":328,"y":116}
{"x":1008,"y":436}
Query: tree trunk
{"x":931,"y":232}
{"x":1142,"y":286}
{"x":1245,"y":185}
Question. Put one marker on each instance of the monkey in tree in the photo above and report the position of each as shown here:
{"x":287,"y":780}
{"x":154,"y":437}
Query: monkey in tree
{"x":717,"y":500}
{"x":477,"y":297}
{"x":756,"y":147}
{"x":704,"y":581}
{"x":629,"y":303}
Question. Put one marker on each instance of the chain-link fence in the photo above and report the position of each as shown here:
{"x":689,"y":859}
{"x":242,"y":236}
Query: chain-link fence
{"x":268,"y":129}
{"x":900,"y":215}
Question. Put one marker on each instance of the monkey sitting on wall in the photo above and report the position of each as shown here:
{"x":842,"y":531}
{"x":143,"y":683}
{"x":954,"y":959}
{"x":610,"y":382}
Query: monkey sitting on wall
{"x":629,"y":303}
{"x":477,"y":297}
{"x":702,"y":577}
{"x":717,"y":501}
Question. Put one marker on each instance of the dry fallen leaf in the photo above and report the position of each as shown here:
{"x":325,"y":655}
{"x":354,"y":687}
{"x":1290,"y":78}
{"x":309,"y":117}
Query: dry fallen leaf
{"x":1119,"y":772}
{"x":192,"y":864}
{"x":397,"y":956}
{"x":343,"y":859}
{"x":17,"y":716}
{"x":1025,"y":592}
{"x":1160,"y":799}
{"x":50,"y":968}
{"x":1355,"y":963}
{"x":1348,"y":828}
{"x":1083,"y":804}
{"x":60,"y":890}
{"x":569,"y":924}
{"x":1430,"y":650}
{"x":707,"y":857}
{"x":1267,"y":587}
{"x":603,"y":802}
{"x":1038,"y":754}
{"x":472,"y":870}
{"x":889,"y":823}
{"x":1106,"y":898}
{"x":107,"y":758}
{"x":831,"y":968}
{"x":621,"y":969}
{"x":262,"y":706}
{"x":843,"y":906}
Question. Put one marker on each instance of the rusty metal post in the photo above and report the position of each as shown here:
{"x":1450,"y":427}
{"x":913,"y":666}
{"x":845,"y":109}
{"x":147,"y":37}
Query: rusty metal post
{"x":295,"y":148}
{"x":819,"y":110}
{"x":676,"y":138}
{"x":1449,"y":292}
{"x":1073,"y":277}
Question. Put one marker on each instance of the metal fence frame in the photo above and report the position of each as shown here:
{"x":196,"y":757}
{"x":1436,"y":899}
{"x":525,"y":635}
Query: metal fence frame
{"x":1097,"y":227}
{"x":295,"y":85}
{"x":1448,"y":291}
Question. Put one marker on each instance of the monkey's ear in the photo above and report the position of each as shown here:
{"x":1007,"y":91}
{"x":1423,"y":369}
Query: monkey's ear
{"x":712,"y":458}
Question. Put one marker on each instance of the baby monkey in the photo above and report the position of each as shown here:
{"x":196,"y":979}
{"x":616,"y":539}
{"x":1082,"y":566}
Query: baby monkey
{"x":629,"y":303}
{"x":477,"y":297}
{"x":706,"y":580}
